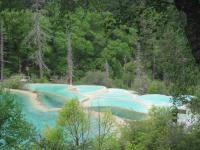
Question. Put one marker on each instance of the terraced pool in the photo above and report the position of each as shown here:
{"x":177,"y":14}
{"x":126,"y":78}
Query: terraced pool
{"x":55,"y":95}
{"x":38,"y":118}
{"x":118,"y":98}
{"x":84,"y":89}
{"x":156,"y":99}
{"x":55,"y":90}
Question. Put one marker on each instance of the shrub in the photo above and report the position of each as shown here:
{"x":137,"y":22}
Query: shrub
{"x":40,"y":80}
{"x":157,"y":86}
{"x":141,"y":84}
{"x":14,"y":82}
{"x":15,"y":131}
{"x":145,"y":85}
{"x":97,"y":78}
{"x":118,"y":83}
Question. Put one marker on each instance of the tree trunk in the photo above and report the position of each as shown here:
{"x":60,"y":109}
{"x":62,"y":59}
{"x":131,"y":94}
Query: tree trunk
{"x":20,"y":66}
{"x":107,"y":70}
{"x":2,"y":52}
{"x":138,"y":61}
{"x":77,"y":141}
{"x":39,"y":46}
{"x":154,"y":68}
{"x":40,"y":62}
{"x":69,"y":59}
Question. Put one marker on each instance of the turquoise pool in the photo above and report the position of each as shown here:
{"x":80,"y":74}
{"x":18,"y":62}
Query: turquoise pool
{"x":41,"y":119}
{"x":38,"y":118}
{"x":84,"y":89}
{"x":118,"y":98}
{"x":51,"y":100}
{"x":55,"y":95}
{"x":59,"y":90}
{"x":156,"y":99}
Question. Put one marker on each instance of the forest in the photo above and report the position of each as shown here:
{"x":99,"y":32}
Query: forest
{"x":148,"y":46}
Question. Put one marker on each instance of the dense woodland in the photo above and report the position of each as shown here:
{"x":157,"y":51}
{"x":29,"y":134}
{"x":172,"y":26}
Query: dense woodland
{"x":151,"y":46}
{"x":137,"y":44}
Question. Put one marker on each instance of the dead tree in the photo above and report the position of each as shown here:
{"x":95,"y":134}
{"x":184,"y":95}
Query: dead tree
{"x":2,"y":48}
{"x":69,"y":59}
{"x":107,"y":71}
{"x":37,"y":37}
{"x":105,"y":125}
{"x":138,"y":61}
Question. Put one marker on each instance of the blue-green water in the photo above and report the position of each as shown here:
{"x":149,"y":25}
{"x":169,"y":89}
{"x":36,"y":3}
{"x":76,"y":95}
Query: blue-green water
{"x":118,"y":98}
{"x":156,"y":99}
{"x":55,"y":95}
{"x":51,"y":96}
{"x":59,"y":90}
{"x":88,"y":88}
{"x":38,"y":118}
{"x":101,"y":102}
{"x":51,"y":101}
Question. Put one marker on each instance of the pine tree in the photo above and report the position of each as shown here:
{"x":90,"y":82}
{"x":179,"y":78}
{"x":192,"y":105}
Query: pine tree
{"x":107,"y":71}
{"x":2,"y":48}
{"x":37,"y":37}
{"x":69,"y":58}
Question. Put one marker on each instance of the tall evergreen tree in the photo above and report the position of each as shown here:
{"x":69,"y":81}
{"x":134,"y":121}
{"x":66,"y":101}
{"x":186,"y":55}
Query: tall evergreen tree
{"x":37,"y":37}
{"x":2,"y":48}
{"x":69,"y":58}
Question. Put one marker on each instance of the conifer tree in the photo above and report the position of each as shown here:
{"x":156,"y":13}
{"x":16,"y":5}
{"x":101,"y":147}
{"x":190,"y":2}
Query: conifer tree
{"x":2,"y":48}
{"x":37,"y":37}
{"x":69,"y":58}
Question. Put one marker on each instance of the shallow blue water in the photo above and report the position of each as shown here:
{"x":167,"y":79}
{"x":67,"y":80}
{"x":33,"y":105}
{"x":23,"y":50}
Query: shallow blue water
{"x":118,"y":98}
{"x":55,"y":95}
{"x":88,"y":88}
{"x":156,"y":99}
{"x":51,"y":101}
{"x":54,"y":90}
{"x":39,"y":119}
{"x":46,"y":87}
{"x":119,"y":103}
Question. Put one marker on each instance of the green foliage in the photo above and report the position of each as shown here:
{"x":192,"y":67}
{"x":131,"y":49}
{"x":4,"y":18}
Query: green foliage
{"x":156,"y":87}
{"x":41,"y":80}
{"x":75,"y":123}
{"x":144,"y":134}
{"x":122,"y":113}
{"x":141,"y":84}
{"x":106,"y":30}
{"x":14,"y":130}
{"x":128,"y":75}
{"x":109,"y":143}
{"x":110,"y":35}
{"x":14,"y":82}
{"x":53,"y":139}
{"x":95,"y":78}
{"x":104,"y":139}
{"x":159,"y":132}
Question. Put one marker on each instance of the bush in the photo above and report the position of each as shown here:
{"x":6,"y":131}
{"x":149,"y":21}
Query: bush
{"x":14,"y":82}
{"x":15,"y":131}
{"x":96,"y":78}
{"x":156,"y":86}
{"x":141,"y":84}
{"x":118,"y":83}
{"x":145,"y":85}
{"x":40,"y":80}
